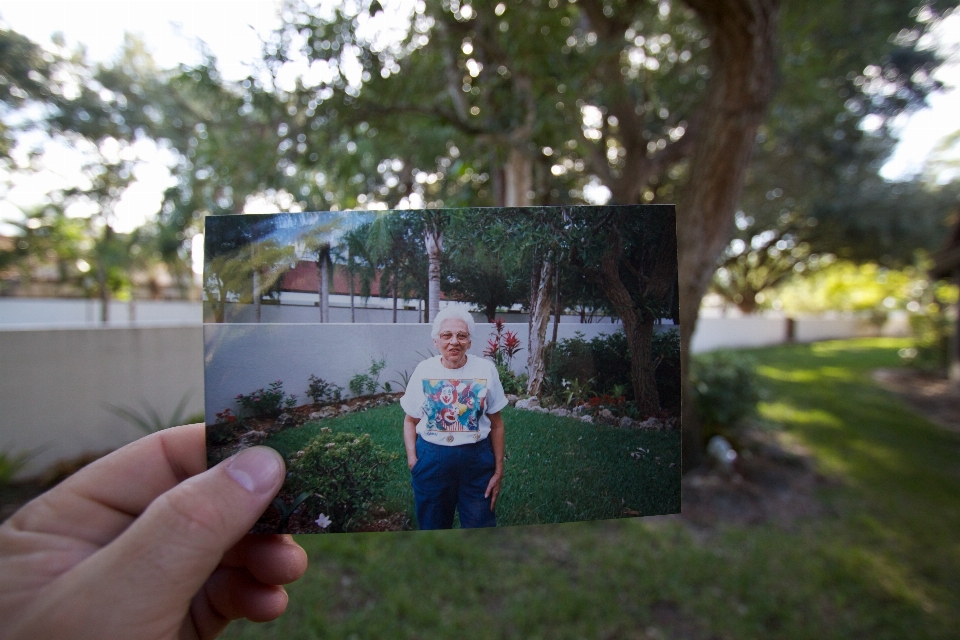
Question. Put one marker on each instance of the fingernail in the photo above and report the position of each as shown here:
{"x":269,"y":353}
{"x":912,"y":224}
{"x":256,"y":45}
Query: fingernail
{"x":256,"y":469}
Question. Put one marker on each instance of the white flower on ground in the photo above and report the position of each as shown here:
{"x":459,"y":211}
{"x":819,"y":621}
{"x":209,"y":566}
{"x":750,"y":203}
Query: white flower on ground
{"x":323,"y":521}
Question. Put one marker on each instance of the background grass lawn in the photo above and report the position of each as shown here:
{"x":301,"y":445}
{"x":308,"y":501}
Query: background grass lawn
{"x":556,"y":469}
{"x":884,"y":562}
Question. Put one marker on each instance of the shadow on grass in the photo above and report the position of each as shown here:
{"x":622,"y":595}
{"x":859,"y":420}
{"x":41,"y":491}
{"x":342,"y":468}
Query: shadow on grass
{"x":885,"y":564}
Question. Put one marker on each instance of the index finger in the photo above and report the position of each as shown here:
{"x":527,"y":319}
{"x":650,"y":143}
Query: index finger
{"x":100,"y":501}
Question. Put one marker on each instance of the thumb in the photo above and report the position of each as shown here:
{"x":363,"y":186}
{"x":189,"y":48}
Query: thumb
{"x":172,"y":548}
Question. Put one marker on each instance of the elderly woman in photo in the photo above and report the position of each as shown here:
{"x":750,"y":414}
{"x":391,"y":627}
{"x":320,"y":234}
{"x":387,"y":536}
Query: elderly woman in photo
{"x":453,"y":430}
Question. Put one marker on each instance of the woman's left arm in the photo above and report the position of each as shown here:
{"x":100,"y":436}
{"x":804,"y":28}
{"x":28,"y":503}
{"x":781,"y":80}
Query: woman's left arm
{"x":497,"y":440}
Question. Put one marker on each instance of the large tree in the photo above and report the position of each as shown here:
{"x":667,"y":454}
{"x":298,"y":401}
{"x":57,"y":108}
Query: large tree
{"x":655,"y":101}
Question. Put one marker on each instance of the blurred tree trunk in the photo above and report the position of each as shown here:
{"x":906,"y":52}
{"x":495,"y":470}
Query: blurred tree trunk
{"x":743,"y":44}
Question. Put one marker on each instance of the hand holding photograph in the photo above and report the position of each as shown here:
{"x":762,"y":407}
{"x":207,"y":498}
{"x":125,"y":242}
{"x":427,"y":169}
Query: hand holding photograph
{"x":443,"y":368}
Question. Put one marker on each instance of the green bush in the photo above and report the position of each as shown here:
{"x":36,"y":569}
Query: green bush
{"x":267,"y":403}
{"x":603,"y":365}
{"x":725,"y":389}
{"x":346,"y":473}
{"x":11,"y":464}
{"x":512,"y":382}
{"x":931,"y":340}
{"x":365,"y":384}
{"x":322,"y":391}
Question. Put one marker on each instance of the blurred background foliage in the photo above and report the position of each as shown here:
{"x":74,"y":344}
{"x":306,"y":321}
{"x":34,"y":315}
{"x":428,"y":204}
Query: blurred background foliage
{"x":429,"y":104}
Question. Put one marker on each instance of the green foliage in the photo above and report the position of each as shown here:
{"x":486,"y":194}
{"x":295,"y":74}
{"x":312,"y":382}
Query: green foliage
{"x":578,"y":369}
{"x":367,"y":383}
{"x":502,"y":347}
{"x":725,"y":388}
{"x":846,"y":286}
{"x":150,"y":420}
{"x":930,"y":332}
{"x":515,"y":383}
{"x":574,"y":392}
{"x":267,"y":403}
{"x":12,"y":463}
{"x":321,"y":391}
{"x":287,"y":510}
{"x":346,"y":474}
{"x":402,"y":382}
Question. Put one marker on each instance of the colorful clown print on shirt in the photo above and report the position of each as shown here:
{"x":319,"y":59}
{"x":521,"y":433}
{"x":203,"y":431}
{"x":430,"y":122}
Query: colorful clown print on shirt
{"x":452,"y":405}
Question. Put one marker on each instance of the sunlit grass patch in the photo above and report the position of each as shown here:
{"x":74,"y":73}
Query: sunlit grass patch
{"x":882,"y":562}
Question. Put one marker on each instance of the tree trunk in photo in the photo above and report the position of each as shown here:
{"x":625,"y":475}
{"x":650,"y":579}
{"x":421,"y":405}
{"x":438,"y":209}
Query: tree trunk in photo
{"x":256,"y":294}
{"x":323,"y":287}
{"x":255,"y":284}
{"x":220,"y":306}
{"x":742,"y":36}
{"x":353,"y":307}
{"x":394,"y":281}
{"x":433,"y":240}
{"x":638,"y":329}
{"x":540,"y":300}
{"x":556,"y":301}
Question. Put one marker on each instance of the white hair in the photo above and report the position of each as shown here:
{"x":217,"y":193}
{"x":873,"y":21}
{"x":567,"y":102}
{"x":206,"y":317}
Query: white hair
{"x":452,"y":313}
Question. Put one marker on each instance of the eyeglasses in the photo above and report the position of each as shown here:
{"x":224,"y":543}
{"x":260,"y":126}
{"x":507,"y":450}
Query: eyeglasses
{"x":446,"y":336}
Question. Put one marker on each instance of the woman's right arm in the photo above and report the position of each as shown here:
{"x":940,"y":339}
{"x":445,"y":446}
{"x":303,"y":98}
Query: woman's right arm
{"x":410,"y":439}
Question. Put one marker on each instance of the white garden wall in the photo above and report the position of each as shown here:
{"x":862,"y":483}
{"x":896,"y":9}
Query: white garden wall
{"x":56,"y":386}
{"x":39,"y":313}
{"x":243,"y":357}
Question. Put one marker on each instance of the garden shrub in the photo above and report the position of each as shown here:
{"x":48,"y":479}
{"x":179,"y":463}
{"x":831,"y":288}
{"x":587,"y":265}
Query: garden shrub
{"x":267,"y":403}
{"x":512,"y":382}
{"x":365,"y":384}
{"x":930,"y":332}
{"x":322,"y":391}
{"x":725,"y":389}
{"x":502,"y":346}
{"x":346,"y":475}
{"x":602,"y":366}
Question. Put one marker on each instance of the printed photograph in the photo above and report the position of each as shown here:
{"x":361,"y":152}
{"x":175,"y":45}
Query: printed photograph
{"x":448,"y":368}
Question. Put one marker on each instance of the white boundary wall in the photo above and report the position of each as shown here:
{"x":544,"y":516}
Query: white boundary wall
{"x":26,"y":313}
{"x":242,"y":357}
{"x":56,"y":385}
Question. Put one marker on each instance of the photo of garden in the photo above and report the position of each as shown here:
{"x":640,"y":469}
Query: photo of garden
{"x":314,"y":322}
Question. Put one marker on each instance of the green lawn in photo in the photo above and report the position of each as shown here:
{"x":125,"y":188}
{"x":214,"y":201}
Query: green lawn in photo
{"x":883,"y":562}
{"x":556,"y":469}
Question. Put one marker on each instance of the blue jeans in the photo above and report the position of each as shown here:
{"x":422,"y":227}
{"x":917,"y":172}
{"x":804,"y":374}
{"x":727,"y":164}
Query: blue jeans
{"x":448,"y":479}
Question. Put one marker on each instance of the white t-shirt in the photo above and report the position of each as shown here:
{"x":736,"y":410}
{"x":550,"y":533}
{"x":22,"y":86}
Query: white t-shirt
{"x":453,"y":404}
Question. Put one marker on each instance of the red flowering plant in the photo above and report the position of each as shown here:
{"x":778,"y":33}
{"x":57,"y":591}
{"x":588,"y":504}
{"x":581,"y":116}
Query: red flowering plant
{"x":502,"y":346}
{"x":226,"y":416}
